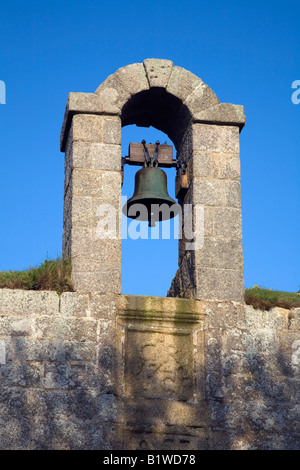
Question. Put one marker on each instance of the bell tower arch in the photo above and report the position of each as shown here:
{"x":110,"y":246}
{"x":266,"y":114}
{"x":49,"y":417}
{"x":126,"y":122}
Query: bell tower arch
{"x":205,"y":133}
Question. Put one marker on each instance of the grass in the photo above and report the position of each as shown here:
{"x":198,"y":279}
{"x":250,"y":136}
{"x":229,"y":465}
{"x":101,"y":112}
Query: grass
{"x":265,"y":299}
{"x":52,"y":275}
{"x":55,"y":275}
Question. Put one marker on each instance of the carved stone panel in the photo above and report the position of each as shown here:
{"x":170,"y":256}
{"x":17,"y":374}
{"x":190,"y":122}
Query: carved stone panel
{"x":158,"y":363}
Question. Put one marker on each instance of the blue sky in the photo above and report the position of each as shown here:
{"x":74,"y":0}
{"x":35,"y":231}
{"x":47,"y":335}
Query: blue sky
{"x":247,"y":52}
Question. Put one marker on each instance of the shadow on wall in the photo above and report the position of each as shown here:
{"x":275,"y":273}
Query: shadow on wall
{"x":253,"y":394}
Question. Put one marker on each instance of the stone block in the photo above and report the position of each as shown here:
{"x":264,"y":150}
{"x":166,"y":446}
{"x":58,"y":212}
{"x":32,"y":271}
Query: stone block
{"x":74,"y":304}
{"x":277,"y":319}
{"x":201,"y":98}
{"x":28,"y":302}
{"x":161,"y":307}
{"x":228,"y":222}
{"x":70,"y":376}
{"x":21,"y":375}
{"x":66,"y":329}
{"x":59,"y":351}
{"x":220,"y":253}
{"x":232,"y":190}
{"x":14,"y":326}
{"x":107,"y":281}
{"x":94,"y":155}
{"x":81,"y":155}
{"x":87,"y":128}
{"x":112,"y":130}
{"x":86,"y":245}
{"x":105,"y":185}
{"x":201,"y":166}
{"x":295,"y":319}
{"x":219,"y":284}
{"x":226,"y":166}
{"x":83,"y":103}
{"x":104,"y":306}
{"x":182,"y":83}
{"x":82,"y":215}
{"x":69,"y":420}
{"x":209,"y":193}
{"x":14,"y":420}
{"x":133,"y":78}
{"x":224,"y":315}
{"x":214,"y":138}
{"x":106,"y":157}
{"x":223,"y":113}
{"x":158,"y":72}
{"x":112,"y":94}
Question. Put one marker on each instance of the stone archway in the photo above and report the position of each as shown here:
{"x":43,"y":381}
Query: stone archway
{"x":205,"y":133}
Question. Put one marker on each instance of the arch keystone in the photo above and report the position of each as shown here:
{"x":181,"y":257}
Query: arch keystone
{"x":158,"y":72}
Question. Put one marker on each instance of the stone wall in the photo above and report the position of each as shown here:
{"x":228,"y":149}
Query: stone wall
{"x":93,"y":371}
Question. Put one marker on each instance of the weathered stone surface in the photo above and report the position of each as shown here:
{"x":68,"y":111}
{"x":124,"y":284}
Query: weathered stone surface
{"x":101,"y":184}
{"x":226,"y":166}
{"x":158,"y":364}
{"x":98,"y":156}
{"x":223,"y":113}
{"x":232,"y":196}
{"x":112,"y":94}
{"x":182,"y":83}
{"x":87,"y":128}
{"x":295,"y":319}
{"x":108,"y":281}
{"x":220,"y":253}
{"x":209,"y":193}
{"x":79,"y":103}
{"x":14,"y":326}
{"x":106,"y":157}
{"x":228,"y":223}
{"x":201,"y":166}
{"x":20,"y":301}
{"x":221,"y":139}
{"x":59,"y":384}
{"x":201,"y":98}
{"x":66,"y":329}
{"x":86,"y":245}
{"x":219,"y":284}
{"x":74,"y":305}
{"x":59,"y":351}
{"x":158,"y":72}
{"x":133,"y":78}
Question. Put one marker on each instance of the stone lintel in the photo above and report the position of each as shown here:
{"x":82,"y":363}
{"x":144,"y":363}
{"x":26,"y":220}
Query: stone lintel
{"x":166,"y":308}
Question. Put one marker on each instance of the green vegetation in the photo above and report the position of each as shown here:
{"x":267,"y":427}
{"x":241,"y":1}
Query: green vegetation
{"x":51,"y":275}
{"x":56,"y":275}
{"x":265,"y":299}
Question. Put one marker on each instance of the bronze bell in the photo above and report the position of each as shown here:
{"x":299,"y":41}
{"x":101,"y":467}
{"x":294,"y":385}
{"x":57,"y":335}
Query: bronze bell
{"x":151,"y":189}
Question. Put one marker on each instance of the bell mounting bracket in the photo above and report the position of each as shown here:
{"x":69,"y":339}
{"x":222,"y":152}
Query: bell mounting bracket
{"x":142,"y":154}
